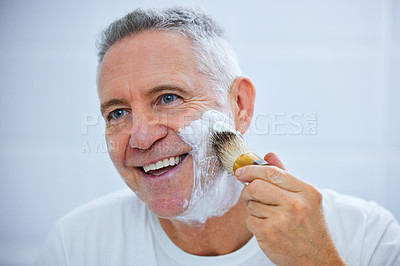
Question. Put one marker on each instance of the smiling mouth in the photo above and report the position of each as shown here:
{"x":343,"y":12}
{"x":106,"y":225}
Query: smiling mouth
{"x":163,"y":166}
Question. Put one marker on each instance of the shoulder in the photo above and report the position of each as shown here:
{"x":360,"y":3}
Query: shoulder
{"x":121,"y":202}
{"x":95,"y":219}
{"x":107,"y":231}
{"x":115,"y":205}
{"x":339,"y":207}
{"x":363,"y":231}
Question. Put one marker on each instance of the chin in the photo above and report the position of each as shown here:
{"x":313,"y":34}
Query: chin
{"x":169,"y":208}
{"x":164,"y":203}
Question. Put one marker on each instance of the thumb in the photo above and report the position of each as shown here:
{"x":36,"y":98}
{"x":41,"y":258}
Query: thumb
{"x":274,"y":160}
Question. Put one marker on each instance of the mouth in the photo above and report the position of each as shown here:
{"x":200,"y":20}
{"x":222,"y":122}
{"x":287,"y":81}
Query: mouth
{"x":163,"y":166}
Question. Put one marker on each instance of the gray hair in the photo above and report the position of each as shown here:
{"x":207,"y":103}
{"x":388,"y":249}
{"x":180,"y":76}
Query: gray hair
{"x":213,"y":54}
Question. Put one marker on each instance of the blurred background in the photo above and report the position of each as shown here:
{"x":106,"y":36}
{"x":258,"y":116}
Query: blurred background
{"x":328,"y":101}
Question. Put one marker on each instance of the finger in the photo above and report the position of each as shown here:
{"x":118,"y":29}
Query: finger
{"x":264,"y":192}
{"x":261,"y":210}
{"x":255,"y":225}
{"x":274,"y":160}
{"x":271,"y":174}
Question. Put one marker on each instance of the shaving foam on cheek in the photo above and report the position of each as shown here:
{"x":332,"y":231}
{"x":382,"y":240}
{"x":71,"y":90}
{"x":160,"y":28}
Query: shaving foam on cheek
{"x":214,"y":190}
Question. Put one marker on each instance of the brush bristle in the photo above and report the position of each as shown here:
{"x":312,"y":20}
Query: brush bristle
{"x":228,"y":145}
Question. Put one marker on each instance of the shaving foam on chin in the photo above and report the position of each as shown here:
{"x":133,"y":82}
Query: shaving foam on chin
{"x":215,"y":191}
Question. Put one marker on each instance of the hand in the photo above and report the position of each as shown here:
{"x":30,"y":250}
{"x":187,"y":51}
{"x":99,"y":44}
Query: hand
{"x":286,"y":216}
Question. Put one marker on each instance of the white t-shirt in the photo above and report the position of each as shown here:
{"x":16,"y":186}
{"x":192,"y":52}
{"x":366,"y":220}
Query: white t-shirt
{"x":118,"y":230}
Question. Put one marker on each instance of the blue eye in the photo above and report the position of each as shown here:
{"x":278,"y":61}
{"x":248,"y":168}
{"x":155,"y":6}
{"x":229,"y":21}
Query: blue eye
{"x":168,"y":98}
{"x":116,"y":114}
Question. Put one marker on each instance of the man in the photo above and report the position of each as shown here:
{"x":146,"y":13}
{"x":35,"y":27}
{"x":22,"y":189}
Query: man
{"x":160,"y":72}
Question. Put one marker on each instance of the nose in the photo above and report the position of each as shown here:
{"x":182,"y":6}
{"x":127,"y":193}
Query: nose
{"x":145,"y":131}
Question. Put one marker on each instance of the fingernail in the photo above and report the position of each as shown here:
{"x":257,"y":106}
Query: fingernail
{"x":239,"y":172}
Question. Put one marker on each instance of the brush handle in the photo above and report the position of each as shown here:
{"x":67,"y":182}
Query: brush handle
{"x":248,"y":159}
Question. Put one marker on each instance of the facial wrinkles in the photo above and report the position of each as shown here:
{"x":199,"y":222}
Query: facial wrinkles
{"x":171,"y":117}
{"x":131,"y":73}
{"x":141,"y":54}
{"x":194,"y":101}
{"x":166,"y":65}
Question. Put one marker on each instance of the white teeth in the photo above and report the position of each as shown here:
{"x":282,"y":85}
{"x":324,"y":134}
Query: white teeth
{"x":163,"y":163}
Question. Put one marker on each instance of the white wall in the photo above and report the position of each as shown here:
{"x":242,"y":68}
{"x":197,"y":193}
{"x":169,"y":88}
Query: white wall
{"x":337,"y":59}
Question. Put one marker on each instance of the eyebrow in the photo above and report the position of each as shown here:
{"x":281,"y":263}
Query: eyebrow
{"x":166,"y":87}
{"x":108,"y":104}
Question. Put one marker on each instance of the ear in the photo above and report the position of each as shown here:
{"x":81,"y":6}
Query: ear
{"x":242,"y":95}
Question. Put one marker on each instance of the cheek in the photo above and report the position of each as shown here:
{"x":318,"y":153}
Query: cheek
{"x":116,"y":145}
{"x":178,"y":120}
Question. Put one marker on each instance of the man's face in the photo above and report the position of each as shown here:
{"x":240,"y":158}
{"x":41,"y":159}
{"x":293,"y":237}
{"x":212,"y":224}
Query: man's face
{"x":149,"y":88}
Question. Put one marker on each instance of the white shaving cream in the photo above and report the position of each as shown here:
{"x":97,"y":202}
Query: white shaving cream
{"x":215,"y":191}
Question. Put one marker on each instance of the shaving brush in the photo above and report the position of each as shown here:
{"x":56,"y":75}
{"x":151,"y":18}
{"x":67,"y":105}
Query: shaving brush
{"x":231,"y":149}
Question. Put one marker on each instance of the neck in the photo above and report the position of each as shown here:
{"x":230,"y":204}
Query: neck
{"x":217,"y":236}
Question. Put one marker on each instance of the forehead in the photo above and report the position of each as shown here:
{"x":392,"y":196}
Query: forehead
{"x":147,"y":58}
